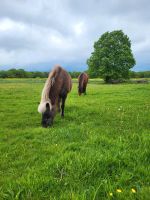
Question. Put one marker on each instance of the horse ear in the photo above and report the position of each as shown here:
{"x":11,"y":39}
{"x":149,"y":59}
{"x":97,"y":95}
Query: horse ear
{"x":47,"y":106}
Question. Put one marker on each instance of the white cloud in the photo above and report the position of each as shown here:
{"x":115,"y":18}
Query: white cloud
{"x":79,"y":28}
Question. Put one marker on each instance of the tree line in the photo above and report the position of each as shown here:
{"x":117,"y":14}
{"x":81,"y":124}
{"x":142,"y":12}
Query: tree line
{"x":145,"y":74}
{"x":21,"y":73}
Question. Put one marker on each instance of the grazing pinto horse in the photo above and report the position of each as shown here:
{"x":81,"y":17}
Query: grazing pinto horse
{"x":83,"y":80}
{"x":54,"y":92}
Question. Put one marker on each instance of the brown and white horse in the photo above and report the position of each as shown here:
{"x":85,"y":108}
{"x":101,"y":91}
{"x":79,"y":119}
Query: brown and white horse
{"x":55,"y":91}
{"x":83,"y":80}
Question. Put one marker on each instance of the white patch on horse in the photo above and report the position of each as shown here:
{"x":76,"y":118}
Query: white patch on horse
{"x":42,"y":106}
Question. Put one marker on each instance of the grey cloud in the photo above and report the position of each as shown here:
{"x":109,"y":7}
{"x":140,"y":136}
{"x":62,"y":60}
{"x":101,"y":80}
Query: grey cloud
{"x":37,"y":12}
{"x":43,"y":31}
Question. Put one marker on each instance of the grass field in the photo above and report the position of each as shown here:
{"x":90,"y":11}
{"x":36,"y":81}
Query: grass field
{"x":100,"y":150}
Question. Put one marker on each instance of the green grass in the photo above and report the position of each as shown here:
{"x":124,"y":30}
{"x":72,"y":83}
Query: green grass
{"x":100,"y":146}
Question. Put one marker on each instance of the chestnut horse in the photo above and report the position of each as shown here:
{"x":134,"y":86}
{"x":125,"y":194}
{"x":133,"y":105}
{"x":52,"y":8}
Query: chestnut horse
{"x":55,"y":91}
{"x":83,"y":80}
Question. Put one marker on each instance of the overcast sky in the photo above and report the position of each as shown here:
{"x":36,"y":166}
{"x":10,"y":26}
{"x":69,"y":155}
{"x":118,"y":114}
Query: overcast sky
{"x":36,"y":34}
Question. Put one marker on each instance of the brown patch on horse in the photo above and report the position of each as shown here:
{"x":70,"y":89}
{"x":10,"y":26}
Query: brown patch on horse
{"x":82,"y":80}
{"x":55,"y":91}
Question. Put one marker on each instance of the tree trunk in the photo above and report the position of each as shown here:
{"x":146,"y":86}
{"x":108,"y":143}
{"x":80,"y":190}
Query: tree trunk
{"x":107,"y":79}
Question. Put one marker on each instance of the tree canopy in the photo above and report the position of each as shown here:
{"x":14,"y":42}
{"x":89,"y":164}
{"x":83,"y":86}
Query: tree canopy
{"x":112,"y":57}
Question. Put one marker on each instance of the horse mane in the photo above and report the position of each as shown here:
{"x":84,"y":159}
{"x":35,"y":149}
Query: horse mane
{"x":47,"y":87}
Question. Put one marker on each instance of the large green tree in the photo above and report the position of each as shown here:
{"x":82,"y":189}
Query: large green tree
{"x":112,"y":57}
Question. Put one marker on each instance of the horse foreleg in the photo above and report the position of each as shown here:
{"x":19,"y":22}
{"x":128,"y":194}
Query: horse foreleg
{"x":58,"y":104}
{"x":63,"y":105}
{"x":84,"y":89}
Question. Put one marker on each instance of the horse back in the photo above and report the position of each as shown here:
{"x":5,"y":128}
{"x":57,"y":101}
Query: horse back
{"x":62,"y":83}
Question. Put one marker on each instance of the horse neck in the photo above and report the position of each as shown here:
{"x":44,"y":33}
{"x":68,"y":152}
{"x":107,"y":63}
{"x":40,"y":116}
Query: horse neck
{"x":46,"y":90}
{"x":81,"y":81}
{"x":46,"y":98}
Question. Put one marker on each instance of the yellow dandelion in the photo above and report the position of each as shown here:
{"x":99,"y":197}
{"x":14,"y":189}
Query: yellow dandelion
{"x":119,"y":190}
{"x":133,"y":190}
{"x":110,"y":194}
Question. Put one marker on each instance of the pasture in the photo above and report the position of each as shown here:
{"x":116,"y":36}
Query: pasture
{"x":100,"y":150}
